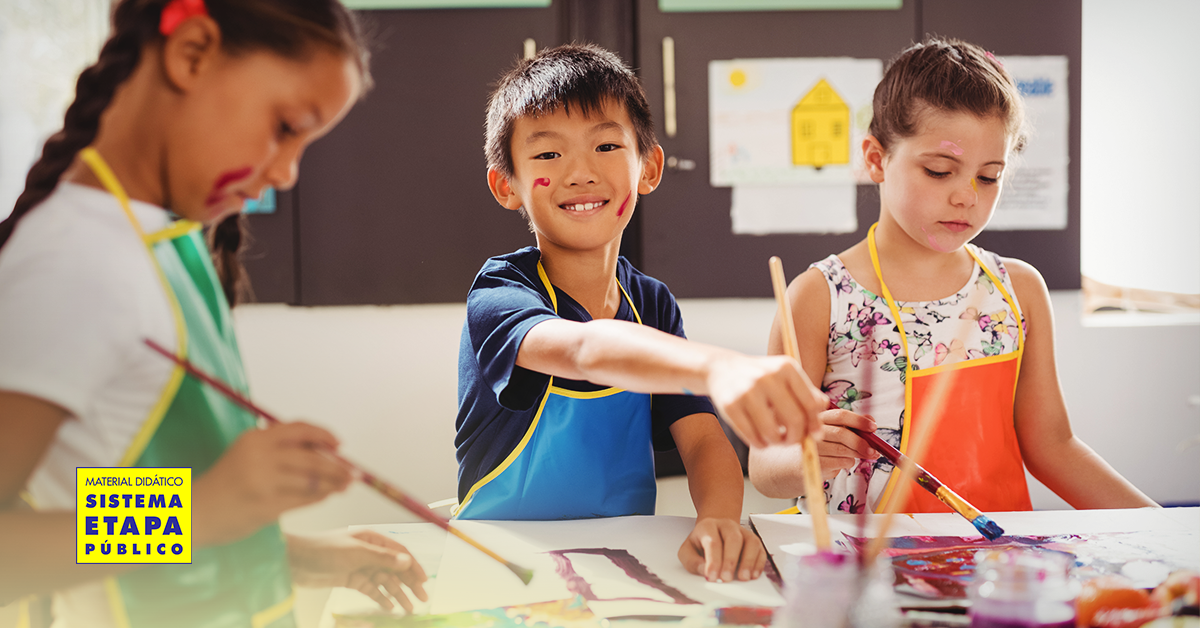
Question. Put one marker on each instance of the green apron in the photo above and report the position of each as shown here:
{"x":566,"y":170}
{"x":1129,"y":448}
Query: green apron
{"x":244,"y":583}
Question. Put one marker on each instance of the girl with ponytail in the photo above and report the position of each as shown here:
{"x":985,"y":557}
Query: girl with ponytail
{"x":192,"y":107}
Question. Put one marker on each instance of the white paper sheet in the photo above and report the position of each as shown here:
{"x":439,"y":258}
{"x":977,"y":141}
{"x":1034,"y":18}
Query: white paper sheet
{"x":763,"y":209}
{"x":1035,"y":190}
{"x":756,"y":106}
{"x":468,"y":579}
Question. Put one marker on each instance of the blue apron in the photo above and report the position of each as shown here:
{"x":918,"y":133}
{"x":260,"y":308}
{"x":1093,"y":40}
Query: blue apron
{"x":586,"y":454}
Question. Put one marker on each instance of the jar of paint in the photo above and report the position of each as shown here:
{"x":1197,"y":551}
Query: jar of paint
{"x":1022,"y":589}
{"x":828,"y":590}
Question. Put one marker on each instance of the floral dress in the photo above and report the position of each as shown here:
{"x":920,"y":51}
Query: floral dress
{"x":865,"y":362}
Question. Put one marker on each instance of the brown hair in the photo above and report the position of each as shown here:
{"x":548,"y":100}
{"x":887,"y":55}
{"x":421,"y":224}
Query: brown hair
{"x":579,"y":75}
{"x":944,"y":75}
{"x":286,"y":27}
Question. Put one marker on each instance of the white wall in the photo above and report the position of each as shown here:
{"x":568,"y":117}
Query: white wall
{"x":1139,"y":135}
{"x":383,"y":378}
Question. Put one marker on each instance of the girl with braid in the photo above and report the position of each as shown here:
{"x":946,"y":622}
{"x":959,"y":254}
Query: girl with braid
{"x":193,"y":107}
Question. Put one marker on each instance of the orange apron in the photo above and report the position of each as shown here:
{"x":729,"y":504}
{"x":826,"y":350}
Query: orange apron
{"x":974,"y":449}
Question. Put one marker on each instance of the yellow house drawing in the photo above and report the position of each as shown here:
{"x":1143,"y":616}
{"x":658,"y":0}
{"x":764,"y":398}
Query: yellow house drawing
{"x":821,"y":128}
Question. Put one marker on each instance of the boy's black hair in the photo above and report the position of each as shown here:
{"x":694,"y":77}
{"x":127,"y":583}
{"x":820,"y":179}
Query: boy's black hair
{"x":575,"y":75}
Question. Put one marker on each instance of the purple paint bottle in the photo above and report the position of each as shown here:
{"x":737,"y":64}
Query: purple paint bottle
{"x":1022,"y":589}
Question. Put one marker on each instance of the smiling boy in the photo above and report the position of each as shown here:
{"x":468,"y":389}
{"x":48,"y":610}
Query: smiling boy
{"x":573,"y":365}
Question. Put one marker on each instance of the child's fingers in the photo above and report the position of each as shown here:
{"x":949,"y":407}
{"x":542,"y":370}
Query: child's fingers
{"x":731,"y":551}
{"x":753,"y":556}
{"x":391,"y":584}
{"x":811,"y":401}
{"x":763,"y":418}
{"x":710,"y":544}
{"x":691,"y":558}
{"x":845,"y":418}
{"x":362,"y":582}
{"x":744,"y":426}
{"x":840,"y":442}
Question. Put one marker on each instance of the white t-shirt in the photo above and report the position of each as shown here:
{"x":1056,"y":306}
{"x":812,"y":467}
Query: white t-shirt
{"x":78,"y":294}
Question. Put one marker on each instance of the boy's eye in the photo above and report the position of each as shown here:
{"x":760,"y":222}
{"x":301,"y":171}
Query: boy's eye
{"x":546,"y":155}
{"x":988,"y":180}
{"x":604,"y":148}
{"x":936,"y":175}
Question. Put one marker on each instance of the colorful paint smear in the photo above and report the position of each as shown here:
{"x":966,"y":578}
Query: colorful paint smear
{"x":941,"y":567}
{"x":572,"y":613}
{"x":623,"y":204}
{"x":974,"y":185}
{"x":542,"y":181}
{"x":621,"y":558}
{"x":954,"y":148}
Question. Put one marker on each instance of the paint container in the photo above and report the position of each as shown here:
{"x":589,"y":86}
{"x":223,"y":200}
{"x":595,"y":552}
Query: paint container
{"x":1022,"y":589}
{"x":827,"y":590}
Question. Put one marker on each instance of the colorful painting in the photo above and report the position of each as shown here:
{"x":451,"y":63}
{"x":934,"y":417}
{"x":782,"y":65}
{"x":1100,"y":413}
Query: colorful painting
{"x":941,"y":567}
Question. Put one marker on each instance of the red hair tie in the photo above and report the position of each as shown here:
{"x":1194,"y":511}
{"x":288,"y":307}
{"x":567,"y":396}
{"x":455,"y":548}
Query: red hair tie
{"x":177,"y":11}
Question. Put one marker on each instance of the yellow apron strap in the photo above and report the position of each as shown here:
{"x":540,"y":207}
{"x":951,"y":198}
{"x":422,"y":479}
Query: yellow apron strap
{"x":109,"y":180}
{"x":265,"y":618}
{"x":891,"y":303}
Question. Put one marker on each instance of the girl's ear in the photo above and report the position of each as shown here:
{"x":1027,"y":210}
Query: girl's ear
{"x":873,"y":156}
{"x":190,"y":50}
{"x":502,"y":189}
{"x":652,"y":171}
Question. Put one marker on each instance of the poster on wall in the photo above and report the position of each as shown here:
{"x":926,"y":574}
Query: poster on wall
{"x":1035,"y":190}
{"x":784,"y":133}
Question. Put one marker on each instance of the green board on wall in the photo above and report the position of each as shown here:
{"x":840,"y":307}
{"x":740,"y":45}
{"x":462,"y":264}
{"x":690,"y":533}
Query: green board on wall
{"x":445,"y":4}
{"x":681,"y":6}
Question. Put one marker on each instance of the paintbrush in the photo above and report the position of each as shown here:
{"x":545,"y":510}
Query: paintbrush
{"x":814,"y":489}
{"x":370,"y":479}
{"x":986,"y":526}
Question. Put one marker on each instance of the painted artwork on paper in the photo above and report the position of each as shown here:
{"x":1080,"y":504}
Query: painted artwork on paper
{"x":613,"y":587}
{"x":941,"y":567}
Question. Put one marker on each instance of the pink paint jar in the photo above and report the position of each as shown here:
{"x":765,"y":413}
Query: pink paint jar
{"x":1022,"y":589}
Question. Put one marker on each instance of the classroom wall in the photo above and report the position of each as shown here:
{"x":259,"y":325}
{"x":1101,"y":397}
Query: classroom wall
{"x":383,"y":378}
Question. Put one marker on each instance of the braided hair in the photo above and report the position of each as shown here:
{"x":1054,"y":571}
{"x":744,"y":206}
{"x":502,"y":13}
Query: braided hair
{"x":286,"y":27}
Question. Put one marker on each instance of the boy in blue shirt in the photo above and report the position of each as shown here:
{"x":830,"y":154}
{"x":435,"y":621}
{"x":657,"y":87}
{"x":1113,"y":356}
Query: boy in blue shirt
{"x":573,"y":365}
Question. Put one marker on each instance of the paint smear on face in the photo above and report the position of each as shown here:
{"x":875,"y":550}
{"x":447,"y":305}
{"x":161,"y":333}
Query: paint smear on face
{"x":974,"y":186}
{"x":623,"y":204}
{"x":954,"y":148}
{"x":543,"y":181}
{"x":227,"y":178}
{"x":933,"y":243}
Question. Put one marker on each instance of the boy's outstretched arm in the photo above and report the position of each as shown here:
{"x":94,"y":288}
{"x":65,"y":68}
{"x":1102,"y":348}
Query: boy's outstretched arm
{"x":1065,"y":464}
{"x":719,"y":547}
{"x":765,"y":399}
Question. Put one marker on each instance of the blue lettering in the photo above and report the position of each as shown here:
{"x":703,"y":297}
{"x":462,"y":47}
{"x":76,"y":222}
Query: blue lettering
{"x":152,"y":524}
{"x":91,"y":501}
{"x":172,"y":526}
{"x":89,"y":526}
{"x":176,"y":502}
{"x":130,"y":526}
{"x":88,"y":548}
{"x":157,"y":501}
{"x":110,"y":521}
{"x":140,"y":502}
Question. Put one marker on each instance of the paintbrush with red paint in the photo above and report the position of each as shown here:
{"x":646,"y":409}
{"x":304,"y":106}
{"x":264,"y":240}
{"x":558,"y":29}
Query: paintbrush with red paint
{"x":370,"y":479}
{"x":985,"y":525}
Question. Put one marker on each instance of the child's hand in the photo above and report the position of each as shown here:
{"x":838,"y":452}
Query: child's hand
{"x":723,"y":549}
{"x":262,"y":474}
{"x":766,"y":400}
{"x":839,"y":448}
{"x":364,"y":560}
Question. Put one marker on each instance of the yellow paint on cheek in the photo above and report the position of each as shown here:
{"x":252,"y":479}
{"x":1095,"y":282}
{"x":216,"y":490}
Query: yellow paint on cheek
{"x":974,"y":186}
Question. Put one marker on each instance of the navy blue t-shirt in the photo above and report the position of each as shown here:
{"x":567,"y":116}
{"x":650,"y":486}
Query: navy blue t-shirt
{"x":497,"y":400}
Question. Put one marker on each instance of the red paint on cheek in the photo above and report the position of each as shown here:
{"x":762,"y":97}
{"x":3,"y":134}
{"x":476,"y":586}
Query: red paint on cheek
{"x":226,"y":178}
{"x":543,"y":181}
{"x":623,"y":204}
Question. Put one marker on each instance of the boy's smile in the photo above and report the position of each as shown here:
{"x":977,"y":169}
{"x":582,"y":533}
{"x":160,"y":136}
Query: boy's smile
{"x":577,"y":176}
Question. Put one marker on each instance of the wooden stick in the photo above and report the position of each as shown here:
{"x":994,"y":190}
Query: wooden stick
{"x":814,"y":490}
{"x":368,"y":478}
